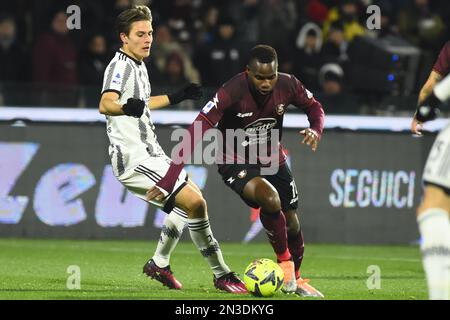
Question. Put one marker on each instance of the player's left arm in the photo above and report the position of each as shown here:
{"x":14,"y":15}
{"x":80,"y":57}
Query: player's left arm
{"x":305,"y":100}
{"x":429,"y":109}
{"x":190,"y":91}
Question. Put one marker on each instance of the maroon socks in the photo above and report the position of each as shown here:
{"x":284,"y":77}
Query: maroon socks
{"x":275,"y":226}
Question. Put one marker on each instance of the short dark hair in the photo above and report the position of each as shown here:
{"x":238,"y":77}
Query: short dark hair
{"x":263,"y":53}
{"x":127,"y":17}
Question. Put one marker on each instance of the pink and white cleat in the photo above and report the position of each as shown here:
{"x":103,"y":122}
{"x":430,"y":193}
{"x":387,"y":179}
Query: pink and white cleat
{"x":163,"y":275}
{"x":231,"y":283}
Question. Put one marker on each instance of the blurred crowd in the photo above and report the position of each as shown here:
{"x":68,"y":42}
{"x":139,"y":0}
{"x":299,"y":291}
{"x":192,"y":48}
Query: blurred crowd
{"x":206,"y":41}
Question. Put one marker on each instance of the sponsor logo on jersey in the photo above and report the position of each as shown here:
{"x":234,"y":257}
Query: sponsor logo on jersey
{"x":211,"y":104}
{"x":280,"y":109}
{"x":230,"y":180}
{"x":263,"y":124}
{"x":243,"y":115}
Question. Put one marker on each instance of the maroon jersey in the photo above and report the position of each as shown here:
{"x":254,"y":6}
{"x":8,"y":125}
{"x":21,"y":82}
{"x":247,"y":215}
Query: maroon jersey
{"x":442,"y":64}
{"x":237,"y":105}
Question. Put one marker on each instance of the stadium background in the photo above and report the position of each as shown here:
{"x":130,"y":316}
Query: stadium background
{"x":53,"y":173}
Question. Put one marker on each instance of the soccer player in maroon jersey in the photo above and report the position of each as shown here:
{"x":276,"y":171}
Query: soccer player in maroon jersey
{"x":434,"y":210}
{"x":255,"y":101}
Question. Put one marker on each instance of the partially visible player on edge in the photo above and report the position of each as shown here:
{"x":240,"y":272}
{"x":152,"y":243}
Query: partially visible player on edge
{"x":138,"y":160}
{"x":434,"y":212}
{"x":255,"y":101}
{"x":440,"y":70}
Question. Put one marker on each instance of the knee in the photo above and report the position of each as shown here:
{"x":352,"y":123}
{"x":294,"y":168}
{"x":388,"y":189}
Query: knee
{"x":196,"y":208}
{"x":269,"y":201}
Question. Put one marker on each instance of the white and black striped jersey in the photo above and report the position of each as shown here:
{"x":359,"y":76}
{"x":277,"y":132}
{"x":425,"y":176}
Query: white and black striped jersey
{"x":131,"y":139}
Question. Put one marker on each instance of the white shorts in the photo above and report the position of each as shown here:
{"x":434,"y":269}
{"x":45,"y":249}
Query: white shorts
{"x":437,"y":168}
{"x":144,"y":176}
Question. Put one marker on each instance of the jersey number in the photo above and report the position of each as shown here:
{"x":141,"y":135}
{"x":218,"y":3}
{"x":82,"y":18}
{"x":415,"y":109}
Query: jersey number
{"x":294,"y":190}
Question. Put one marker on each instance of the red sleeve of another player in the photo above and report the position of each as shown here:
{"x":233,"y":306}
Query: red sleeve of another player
{"x":208,"y":117}
{"x":194,"y":135}
{"x":442,"y":65}
{"x":304,"y":99}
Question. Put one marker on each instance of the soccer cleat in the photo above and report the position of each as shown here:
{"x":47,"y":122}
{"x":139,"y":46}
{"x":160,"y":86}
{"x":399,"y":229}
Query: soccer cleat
{"x":289,"y":284}
{"x":231,"y":283}
{"x":163,"y":275}
{"x":304,"y":289}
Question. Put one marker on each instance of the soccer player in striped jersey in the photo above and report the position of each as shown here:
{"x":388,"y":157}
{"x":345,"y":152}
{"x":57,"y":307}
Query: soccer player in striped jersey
{"x":138,"y":160}
{"x":434,"y":212}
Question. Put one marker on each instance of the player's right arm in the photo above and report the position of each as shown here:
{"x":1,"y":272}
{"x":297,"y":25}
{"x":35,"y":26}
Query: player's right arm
{"x":208,"y":117}
{"x":441,"y":68}
{"x":116,"y":76}
{"x":429,"y":109}
{"x":109,"y":104}
{"x":427,"y":88}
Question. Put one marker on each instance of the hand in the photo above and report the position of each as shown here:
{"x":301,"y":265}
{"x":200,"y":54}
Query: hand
{"x":426,"y":111}
{"x":416,"y":126}
{"x":191,"y":91}
{"x":134,"y":107}
{"x":156,"y":193}
{"x":311,"y":138}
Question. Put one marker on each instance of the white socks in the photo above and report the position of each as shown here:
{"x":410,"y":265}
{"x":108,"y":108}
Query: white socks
{"x":434,"y":227}
{"x":173,"y":227}
{"x":203,"y":238}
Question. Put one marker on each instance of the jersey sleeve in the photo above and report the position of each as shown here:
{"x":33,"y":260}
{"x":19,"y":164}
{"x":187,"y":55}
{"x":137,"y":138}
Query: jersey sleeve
{"x":116,"y":75}
{"x":304,"y":99}
{"x":208,"y":117}
{"x":215,"y":108}
{"x":442,"y":64}
{"x":442,"y":89}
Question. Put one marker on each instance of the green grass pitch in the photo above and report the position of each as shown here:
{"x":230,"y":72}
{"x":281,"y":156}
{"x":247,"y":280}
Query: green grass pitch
{"x":37,"y":269}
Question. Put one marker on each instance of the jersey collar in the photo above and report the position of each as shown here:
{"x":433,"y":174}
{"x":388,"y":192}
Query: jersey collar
{"x":136,"y":61}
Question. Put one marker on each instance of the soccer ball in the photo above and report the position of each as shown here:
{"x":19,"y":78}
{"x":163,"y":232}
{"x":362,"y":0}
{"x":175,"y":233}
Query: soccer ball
{"x":263,"y":278}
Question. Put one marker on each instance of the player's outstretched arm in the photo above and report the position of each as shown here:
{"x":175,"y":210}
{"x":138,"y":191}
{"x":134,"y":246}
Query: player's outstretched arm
{"x":166,"y":184}
{"x":190,"y":91}
{"x":429,"y":85}
{"x":311,"y":138}
{"x":426,"y":111}
{"x":429,"y":109}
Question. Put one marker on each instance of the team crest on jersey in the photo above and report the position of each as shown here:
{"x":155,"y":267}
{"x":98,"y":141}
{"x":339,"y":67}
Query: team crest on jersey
{"x":280,"y":109}
{"x":242,"y":174}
